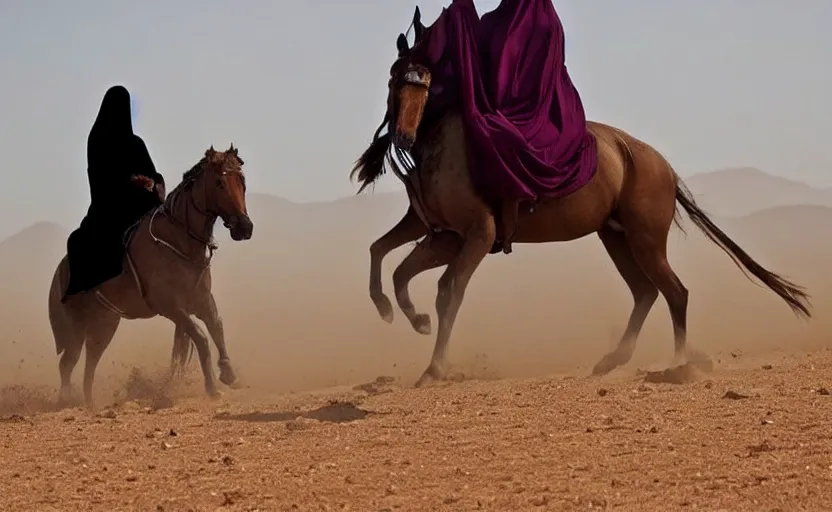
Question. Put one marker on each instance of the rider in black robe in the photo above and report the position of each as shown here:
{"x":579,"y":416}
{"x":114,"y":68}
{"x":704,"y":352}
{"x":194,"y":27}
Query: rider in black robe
{"x":118,"y":165}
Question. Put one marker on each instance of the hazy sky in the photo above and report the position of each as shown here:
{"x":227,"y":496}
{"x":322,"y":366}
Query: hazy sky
{"x":299,"y":86}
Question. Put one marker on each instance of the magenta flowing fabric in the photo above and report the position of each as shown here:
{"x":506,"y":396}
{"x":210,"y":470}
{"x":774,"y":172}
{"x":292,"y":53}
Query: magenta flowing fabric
{"x":524,"y":120}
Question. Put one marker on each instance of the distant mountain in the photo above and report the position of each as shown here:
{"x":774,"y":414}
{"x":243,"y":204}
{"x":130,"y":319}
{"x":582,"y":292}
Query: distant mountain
{"x":741,"y":191}
{"x":36,"y":248}
{"x":39,"y":236}
{"x":297,"y":313}
{"x":366,"y":209}
{"x":27,"y":262}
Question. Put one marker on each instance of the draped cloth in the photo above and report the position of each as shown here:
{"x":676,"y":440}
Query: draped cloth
{"x":95,"y":250}
{"x":524,"y":120}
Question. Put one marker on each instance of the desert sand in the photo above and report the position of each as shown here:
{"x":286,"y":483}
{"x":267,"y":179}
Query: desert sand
{"x":330,"y":420}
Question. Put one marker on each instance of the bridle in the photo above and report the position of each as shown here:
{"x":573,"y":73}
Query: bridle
{"x":401,"y":162}
{"x":169,"y":209}
{"x":417,"y":75}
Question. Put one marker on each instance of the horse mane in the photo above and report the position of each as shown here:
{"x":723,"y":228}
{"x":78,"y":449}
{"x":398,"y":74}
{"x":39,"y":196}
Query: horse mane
{"x":188,"y":179}
{"x":370,"y":165}
{"x":189,"y":176}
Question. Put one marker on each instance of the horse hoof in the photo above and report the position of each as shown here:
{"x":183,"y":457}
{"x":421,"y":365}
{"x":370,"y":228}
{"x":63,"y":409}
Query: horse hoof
{"x":214,"y":394}
{"x":607,"y":364}
{"x":228,"y":377}
{"x":421,"y":323}
{"x":227,"y":374}
{"x":63,"y":403}
{"x":700,"y":361}
{"x":432,"y":374}
{"x":237,"y":384}
{"x":424,"y":380}
{"x":384,"y":307}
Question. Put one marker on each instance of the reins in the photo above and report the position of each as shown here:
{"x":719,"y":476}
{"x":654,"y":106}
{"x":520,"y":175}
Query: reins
{"x":168,"y":208}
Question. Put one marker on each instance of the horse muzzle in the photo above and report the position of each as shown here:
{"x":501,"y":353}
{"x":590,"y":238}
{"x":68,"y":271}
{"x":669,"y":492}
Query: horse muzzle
{"x":240,"y":227}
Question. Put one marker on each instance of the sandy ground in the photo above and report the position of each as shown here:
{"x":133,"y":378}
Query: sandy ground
{"x":526,"y":429}
{"x":753,"y":435}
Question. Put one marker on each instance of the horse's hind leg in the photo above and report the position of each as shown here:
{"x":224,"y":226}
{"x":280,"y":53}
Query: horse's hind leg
{"x":650,"y":251}
{"x":408,"y":229}
{"x":435,"y":251}
{"x":99,"y":335}
{"x":451,"y":290}
{"x":644,"y":296}
{"x":208,"y":313}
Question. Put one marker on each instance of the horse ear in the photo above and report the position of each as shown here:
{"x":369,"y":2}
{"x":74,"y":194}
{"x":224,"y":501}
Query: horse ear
{"x":232,"y":149}
{"x":210,"y":151}
{"x":402,"y":45}
{"x":418,"y":28}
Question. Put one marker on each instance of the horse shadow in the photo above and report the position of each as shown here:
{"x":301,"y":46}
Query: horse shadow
{"x":334,"y":412}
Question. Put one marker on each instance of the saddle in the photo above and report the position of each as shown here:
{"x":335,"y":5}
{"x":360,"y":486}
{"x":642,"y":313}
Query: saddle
{"x":92,"y":262}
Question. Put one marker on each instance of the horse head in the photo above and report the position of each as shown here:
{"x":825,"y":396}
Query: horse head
{"x":224,"y":184}
{"x":406,"y":98}
{"x":407,"y":89}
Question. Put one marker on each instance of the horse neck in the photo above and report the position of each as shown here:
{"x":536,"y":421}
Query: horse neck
{"x":194,"y":222}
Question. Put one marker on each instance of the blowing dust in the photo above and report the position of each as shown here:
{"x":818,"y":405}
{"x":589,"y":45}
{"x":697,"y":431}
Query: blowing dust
{"x":297,"y":313}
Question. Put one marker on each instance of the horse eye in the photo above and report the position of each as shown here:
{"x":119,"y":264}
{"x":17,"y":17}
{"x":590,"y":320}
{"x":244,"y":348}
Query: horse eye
{"x":220,"y":184}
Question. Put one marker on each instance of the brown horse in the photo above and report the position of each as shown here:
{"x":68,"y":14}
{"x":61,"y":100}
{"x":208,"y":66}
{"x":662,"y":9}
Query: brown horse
{"x":630,"y":202}
{"x":166,"y":272}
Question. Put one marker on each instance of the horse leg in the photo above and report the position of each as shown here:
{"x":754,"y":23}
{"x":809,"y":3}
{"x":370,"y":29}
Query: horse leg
{"x":644,"y":296}
{"x":451,"y":290}
{"x":408,"y":229}
{"x":184,"y":321}
{"x":99,"y":336}
{"x":208,"y":313}
{"x":433,"y":252}
{"x":650,"y":251}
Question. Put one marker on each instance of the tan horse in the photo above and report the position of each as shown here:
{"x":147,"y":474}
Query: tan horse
{"x":630,"y":202}
{"x":166,"y":272}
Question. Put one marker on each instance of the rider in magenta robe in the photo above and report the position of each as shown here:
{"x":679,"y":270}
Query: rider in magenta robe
{"x":524,"y":120}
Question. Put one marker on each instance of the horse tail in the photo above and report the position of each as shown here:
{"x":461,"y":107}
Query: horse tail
{"x":183,"y":349}
{"x":190,"y":351}
{"x":794,"y":295}
{"x":63,"y":328}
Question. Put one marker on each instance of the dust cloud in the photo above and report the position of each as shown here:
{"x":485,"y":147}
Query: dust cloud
{"x":298,"y":317}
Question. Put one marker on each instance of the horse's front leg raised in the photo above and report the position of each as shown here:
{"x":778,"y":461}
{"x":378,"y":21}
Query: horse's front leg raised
{"x":478,"y":241}
{"x":433,"y":252}
{"x":209,"y":314}
{"x":408,"y":229}
{"x":183,"y":321}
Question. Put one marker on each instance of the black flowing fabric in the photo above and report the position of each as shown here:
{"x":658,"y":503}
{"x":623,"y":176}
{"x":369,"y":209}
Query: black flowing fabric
{"x":114,"y":155}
